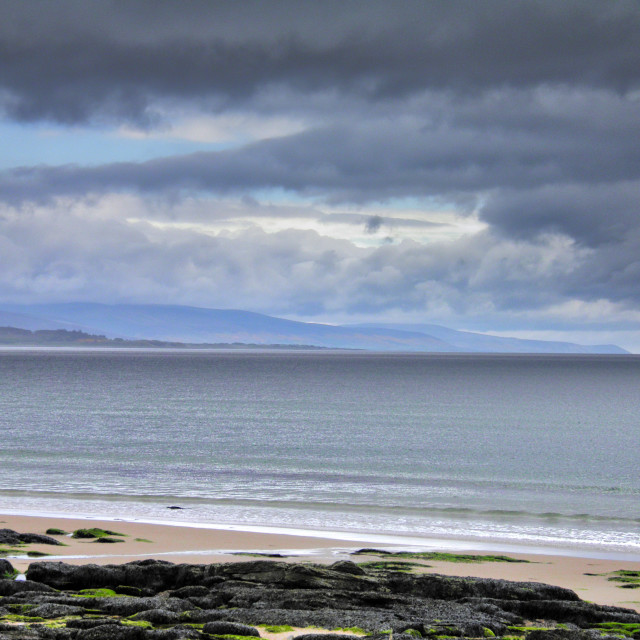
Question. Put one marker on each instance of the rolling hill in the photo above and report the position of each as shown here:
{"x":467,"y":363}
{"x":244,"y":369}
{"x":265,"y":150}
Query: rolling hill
{"x":174,"y":323}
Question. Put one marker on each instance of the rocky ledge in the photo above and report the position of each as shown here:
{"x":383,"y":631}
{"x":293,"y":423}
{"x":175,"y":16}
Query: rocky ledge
{"x":152,"y":599}
{"x":15,"y":539}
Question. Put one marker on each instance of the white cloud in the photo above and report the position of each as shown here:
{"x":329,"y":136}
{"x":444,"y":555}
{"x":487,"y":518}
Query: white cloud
{"x":225,"y":128}
{"x":233,"y":254}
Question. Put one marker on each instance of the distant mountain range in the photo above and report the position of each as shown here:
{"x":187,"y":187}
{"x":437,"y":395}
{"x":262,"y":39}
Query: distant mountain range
{"x":182,"y":324}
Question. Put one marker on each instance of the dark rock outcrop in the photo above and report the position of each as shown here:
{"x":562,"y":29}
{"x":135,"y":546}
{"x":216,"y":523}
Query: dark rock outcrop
{"x":579,"y":613}
{"x":230,"y":628}
{"x":568,"y":634}
{"x":9,"y":587}
{"x":13,"y":538}
{"x":51,"y":610}
{"x":148,"y":575}
{"x":319,"y":636}
{"x":194,"y":591}
{"x":454,"y":588}
{"x":129,"y":606}
{"x":6,"y":568}
{"x":111,"y":632}
{"x":90,"y":623}
{"x":295,"y":576}
{"x":231,"y":599}
{"x":346,"y":566}
{"x":178,"y":632}
{"x":157,"y":616}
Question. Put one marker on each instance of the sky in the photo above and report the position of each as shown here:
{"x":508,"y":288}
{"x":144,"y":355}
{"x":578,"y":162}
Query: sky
{"x":472,"y":164}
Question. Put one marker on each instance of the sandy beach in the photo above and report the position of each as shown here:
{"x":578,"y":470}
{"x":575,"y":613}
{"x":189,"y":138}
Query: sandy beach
{"x":588,"y":577}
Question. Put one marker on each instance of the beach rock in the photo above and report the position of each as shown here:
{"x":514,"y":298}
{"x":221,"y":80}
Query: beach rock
{"x":486,"y":605}
{"x":13,"y":538}
{"x":9,"y":587}
{"x":111,"y":632}
{"x":129,"y":606}
{"x":194,"y":591}
{"x":442,"y":587}
{"x":228,"y":597}
{"x":38,"y":538}
{"x":35,"y":632}
{"x":257,"y":571}
{"x":210,"y":602}
{"x":90,"y":623}
{"x":126,"y":590}
{"x":60,"y":575}
{"x":51,"y":610}
{"x":10,"y":537}
{"x":149,"y":575}
{"x":157,"y":616}
{"x":306,"y":599}
{"x":175,"y":633}
{"x":6,"y":568}
{"x":220,"y":628}
{"x":579,"y":613}
{"x":37,"y":598}
{"x":11,"y":632}
{"x":158,"y":575}
{"x":320,"y":636}
{"x":332,"y":619}
{"x":108,"y":540}
{"x":200,"y":616}
{"x":563,"y":634}
{"x":346,"y":566}
{"x":295,"y":576}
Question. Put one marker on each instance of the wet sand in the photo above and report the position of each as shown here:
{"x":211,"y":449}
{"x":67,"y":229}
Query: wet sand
{"x":588,"y":577}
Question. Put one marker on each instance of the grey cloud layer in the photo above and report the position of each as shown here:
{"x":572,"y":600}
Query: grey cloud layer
{"x":69,"y":62}
{"x":575,"y":173}
{"x":524,"y":113}
{"x":453,"y":146}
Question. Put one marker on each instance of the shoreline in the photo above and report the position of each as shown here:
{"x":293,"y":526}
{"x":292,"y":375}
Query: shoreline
{"x":204,"y":544}
{"x":561,"y":535}
{"x":452,"y":543}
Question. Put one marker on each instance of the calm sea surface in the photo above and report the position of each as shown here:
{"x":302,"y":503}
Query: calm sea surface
{"x":535,"y":450}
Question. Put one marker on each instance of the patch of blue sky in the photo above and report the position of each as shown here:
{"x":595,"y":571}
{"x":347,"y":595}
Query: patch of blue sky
{"x":30,"y":145}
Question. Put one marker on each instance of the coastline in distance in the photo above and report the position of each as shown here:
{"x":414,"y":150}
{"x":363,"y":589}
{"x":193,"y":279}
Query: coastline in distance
{"x":189,"y":326}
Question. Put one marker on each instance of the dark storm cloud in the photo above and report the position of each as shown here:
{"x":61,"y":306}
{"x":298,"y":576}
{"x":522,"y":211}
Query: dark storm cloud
{"x":379,"y":160}
{"x":73,"y":61}
{"x":593,"y":214}
{"x":373,"y":224}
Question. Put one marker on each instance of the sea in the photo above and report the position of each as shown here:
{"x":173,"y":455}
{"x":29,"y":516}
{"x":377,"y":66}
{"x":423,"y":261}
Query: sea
{"x":535,"y":453}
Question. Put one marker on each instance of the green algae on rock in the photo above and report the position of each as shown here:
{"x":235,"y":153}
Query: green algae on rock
{"x":438,"y":556}
{"x":95,"y":532}
{"x":629,"y":579}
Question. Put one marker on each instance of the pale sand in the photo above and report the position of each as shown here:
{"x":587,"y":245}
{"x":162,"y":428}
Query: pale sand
{"x":195,"y":545}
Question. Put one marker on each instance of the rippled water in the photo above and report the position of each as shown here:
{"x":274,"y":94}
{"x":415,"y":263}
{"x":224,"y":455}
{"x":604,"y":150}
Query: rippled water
{"x":533,"y":449}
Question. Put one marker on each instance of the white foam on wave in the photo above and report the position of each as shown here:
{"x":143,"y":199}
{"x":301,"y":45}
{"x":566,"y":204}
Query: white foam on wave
{"x":542,"y":543}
